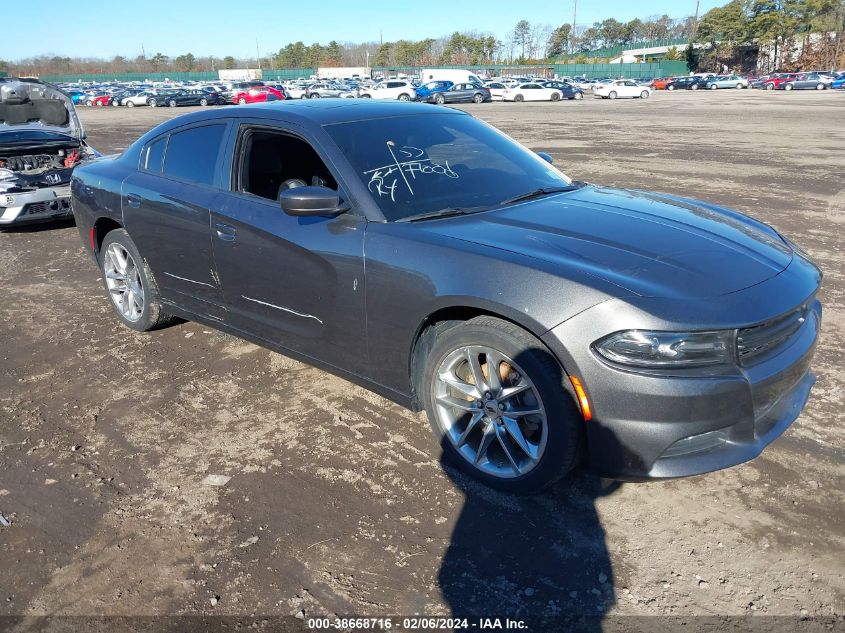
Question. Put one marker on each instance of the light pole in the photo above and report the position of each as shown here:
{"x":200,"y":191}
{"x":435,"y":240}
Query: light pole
{"x":574,"y":28}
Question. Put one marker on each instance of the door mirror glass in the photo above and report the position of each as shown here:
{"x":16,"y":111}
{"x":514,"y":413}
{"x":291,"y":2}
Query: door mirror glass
{"x":311,"y":201}
{"x":546,"y":157}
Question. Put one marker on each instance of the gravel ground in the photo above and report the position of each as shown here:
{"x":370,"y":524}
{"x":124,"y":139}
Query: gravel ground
{"x":332,"y":500}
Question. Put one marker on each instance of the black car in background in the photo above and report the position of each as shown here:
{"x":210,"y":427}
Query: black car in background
{"x":686,"y":83}
{"x":194,"y":96}
{"x":461,"y":93}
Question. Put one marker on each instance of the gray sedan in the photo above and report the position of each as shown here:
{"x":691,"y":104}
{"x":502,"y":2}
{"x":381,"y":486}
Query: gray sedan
{"x":728,"y":81}
{"x":540,"y":322}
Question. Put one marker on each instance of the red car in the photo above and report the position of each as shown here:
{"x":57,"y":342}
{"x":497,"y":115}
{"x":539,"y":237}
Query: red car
{"x":775,"y":80}
{"x":258,"y":94}
{"x":100,"y":100}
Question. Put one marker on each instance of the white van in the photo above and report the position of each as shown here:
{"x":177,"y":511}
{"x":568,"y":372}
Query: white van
{"x":454,"y":75}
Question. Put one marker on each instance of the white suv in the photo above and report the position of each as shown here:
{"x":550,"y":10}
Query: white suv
{"x":401,"y":90}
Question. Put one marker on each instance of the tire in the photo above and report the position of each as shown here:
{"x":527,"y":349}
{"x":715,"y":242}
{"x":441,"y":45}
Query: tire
{"x":555,"y":97}
{"x":694,"y":87}
{"x":645,"y":94}
{"x":789,"y":87}
{"x":739,"y":86}
{"x":203,"y":102}
{"x":404,"y":97}
{"x":820,"y":86}
{"x":314,"y":96}
{"x":439,"y":99}
{"x":670,"y":88}
{"x":365,"y":97}
{"x":554,"y":434}
{"x":99,"y":104}
{"x":152,"y":103}
{"x":713,"y":87}
{"x":130,"y":104}
{"x":578,"y":96}
{"x":611,"y":94}
{"x":151,"y":316}
{"x":241,"y":101}
{"x":172,"y":103}
{"x":478,"y":99}
{"x":770,"y":86}
{"x":115,"y":102}
{"x":519,"y":98}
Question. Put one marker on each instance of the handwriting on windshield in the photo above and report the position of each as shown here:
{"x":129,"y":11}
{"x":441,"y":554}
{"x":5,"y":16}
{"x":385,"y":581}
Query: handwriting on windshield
{"x":409,"y":163}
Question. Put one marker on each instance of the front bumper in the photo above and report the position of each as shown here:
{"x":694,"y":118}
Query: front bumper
{"x":39,"y":205}
{"x":656,"y":426}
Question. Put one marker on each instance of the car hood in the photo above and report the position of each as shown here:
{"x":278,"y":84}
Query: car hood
{"x":37,"y":106}
{"x":648,"y":244}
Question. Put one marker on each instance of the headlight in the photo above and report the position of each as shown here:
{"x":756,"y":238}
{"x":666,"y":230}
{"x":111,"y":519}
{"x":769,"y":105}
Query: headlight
{"x":641,"y":348}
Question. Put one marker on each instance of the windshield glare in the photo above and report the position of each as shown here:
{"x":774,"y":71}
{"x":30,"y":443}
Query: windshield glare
{"x":422,"y":164}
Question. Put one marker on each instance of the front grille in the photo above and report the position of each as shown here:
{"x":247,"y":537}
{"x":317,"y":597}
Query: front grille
{"x":755,"y":342}
{"x":35,"y":208}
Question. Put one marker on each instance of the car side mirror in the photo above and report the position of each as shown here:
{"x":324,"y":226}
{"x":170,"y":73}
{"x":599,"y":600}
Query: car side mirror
{"x":311,"y":201}
{"x":546,"y":157}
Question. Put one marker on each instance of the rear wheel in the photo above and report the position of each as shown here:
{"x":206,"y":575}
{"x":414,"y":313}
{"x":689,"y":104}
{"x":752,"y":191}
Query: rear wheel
{"x":315,"y":95}
{"x":498,"y":403}
{"x":130,"y":283}
{"x":99,"y":104}
{"x":578,"y":95}
{"x":478,"y":99}
{"x":152,"y":103}
{"x":242,"y":101}
{"x":713,"y":86}
{"x":694,"y":87}
{"x":172,"y":103}
{"x":439,"y":99}
{"x":404,"y":97}
{"x":130,"y":104}
{"x":670,"y":87}
{"x":365,"y":96}
{"x":770,"y":86}
{"x":519,"y":98}
{"x":788,"y":87}
{"x":820,"y":86}
{"x":739,"y":86}
{"x":203,"y":102}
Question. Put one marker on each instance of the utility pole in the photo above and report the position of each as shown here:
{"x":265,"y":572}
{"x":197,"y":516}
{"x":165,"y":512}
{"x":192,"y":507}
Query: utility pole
{"x":258,"y":53}
{"x":574,"y":28}
{"x":695,"y":20}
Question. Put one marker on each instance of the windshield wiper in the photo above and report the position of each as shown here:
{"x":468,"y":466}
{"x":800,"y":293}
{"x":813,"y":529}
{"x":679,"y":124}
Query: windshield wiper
{"x":442,"y":213}
{"x":542,"y":191}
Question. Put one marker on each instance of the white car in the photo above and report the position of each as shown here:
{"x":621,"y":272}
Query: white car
{"x":531,"y":91}
{"x":622,"y":88}
{"x":401,"y":90}
{"x":295,"y":91}
{"x":140,"y":99}
{"x":497,"y":90}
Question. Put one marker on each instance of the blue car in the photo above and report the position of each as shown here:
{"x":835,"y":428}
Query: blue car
{"x":76,"y":96}
{"x":839,"y":82}
{"x":432,"y":87}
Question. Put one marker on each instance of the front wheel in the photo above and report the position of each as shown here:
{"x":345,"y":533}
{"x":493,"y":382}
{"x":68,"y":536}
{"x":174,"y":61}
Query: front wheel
{"x":172,"y":103}
{"x":788,"y":87}
{"x":770,"y":86}
{"x":315,"y":96}
{"x":439,"y":99}
{"x":241,"y":101}
{"x":203,"y":102}
{"x":500,"y":406}
{"x":130,"y":104}
{"x":670,"y":88}
{"x":578,"y":95}
{"x":555,"y":97}
{"x":404,"y":97}
{"x":478,"y":99}
{"x":130,"y":283}
{"x":713,"y":87}
{"x":152,"y":103}
{"x":820,"y":86}
{"x":366,"y":97}
{"x":519,"y":98}
{"x":694,"y":87}
{"x":644,"y":94}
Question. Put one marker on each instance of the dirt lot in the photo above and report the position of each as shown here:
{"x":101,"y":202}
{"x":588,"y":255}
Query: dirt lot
{"x":337,"y":502}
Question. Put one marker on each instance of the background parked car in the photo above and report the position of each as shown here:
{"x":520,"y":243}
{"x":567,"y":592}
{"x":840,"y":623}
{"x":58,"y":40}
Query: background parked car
{"x":193,"y":97}
{"x":680,"y":83}
{"x":772,"y":82}
{"x":803,"y":81}
{"x":660,"y":83}
{"x":461,"y":93}
{"x":726,"y":81}
{"x":428,"y":89}
{"x":257,"y":94}
{"x":532,"y":91}
{"x":401,"y":90}
{"x":100,"y":100}
{"x":325,"y":89}
{"x":497,"y":90}
{"x":568,"y":90}
{"x":622,"y":88}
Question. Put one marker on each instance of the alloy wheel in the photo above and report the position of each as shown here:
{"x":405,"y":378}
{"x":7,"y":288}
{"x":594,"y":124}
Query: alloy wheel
{"x":490,"y":411}
{"x":124,"y":282}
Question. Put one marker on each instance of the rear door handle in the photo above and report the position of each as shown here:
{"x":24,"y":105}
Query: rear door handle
{"x":133,"y":202}
{"x":226,"y":232}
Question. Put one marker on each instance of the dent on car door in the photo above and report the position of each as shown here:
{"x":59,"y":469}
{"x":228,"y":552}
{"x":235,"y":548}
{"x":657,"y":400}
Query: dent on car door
{"x":297,"y":282}
{"x":166,"y":209}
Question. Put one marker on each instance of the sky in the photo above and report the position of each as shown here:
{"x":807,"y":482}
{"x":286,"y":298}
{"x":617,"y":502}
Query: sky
{"x":95,"y":28}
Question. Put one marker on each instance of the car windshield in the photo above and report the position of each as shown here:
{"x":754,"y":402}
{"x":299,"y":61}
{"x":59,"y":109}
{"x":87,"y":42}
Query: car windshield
{"x":422,"y":164}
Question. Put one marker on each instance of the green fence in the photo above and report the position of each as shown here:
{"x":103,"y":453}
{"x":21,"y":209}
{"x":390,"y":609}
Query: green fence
{"x":655,"y":69}
{"x":616,"y":51}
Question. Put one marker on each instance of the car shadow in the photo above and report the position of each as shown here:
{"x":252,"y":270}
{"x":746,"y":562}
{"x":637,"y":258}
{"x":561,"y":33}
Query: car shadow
{"x":542,"y":559}
{"x":37,"y":227}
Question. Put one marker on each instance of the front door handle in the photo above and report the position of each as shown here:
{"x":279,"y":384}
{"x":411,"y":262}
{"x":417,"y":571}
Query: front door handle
{"x":226,"y":232}
{"x":133,"y":202}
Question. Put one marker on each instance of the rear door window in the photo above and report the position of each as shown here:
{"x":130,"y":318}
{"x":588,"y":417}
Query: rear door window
{"x":192,"y":153}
